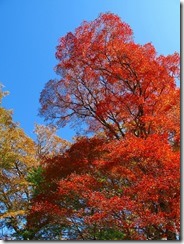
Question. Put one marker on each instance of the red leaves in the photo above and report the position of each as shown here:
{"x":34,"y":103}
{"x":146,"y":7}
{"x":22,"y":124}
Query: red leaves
{"x":126,"y":94}
{"x":110,"y":81}
{"x":129,"y":184}
{"x":47,"y":207}
{"x":78,"y":184}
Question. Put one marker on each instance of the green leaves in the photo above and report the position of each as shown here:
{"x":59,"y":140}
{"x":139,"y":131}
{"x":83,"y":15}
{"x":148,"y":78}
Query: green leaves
{"x":110,"y":234}
{"x":36,"y":178}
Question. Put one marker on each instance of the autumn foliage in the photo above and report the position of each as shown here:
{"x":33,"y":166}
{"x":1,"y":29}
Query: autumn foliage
{"x":122,"y":182}
{"x":17,"y":157}
{"x":128,"y":189}
{"x":112,"y":83}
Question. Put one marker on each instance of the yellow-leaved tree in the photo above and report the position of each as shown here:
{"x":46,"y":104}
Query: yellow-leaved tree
{"x":17,"y":157}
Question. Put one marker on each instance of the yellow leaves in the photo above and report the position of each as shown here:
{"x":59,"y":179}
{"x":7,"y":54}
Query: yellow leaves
{"x":17,"y":156}
{"x":2,"y":93}
{"x":12,"y":214}
{"x":48,"y":143}
{"x":21,"y":182}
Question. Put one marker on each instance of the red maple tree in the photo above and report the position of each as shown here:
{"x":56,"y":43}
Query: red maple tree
{"x":110,"y":82}
{"x":130,"y":186}
{"x":124,"y":182}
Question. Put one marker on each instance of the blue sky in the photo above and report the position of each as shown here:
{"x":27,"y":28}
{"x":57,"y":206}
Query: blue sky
{"x":30,"y":30}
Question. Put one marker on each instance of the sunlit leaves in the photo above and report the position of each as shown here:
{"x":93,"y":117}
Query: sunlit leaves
{"x":128,"y":186}
{"x":111,"y":82}
{"x":123,"y":183}
{"x":17,"y":156}
{"x":48,"y":144}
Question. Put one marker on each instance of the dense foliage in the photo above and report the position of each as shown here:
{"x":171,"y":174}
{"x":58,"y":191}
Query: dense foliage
{"x":126,"y":184}
{"x":17,"y":157}
{"x":112,"y":83}
{"x":123,"y":182}
{"x":100,"y":189}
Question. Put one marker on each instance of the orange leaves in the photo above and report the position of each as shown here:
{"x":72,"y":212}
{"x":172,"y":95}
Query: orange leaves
{"x":48,"y":208}
{"x":127,"y":95}
{"x":131,"y":146}
{"x":171,"y":64}
{"x":78,"y":184}
{"x":110,"y":81}
{"x":120,"y":171}
{"x":130,"y":184}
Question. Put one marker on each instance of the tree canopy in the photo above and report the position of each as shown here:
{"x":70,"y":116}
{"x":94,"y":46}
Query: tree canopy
{"x":111,"y":82}
{"x":17,"y":157}
{"x":123,"y":181}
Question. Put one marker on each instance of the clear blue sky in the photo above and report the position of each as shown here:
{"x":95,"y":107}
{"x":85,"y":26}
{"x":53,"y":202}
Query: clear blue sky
{"x":29,"y":33}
